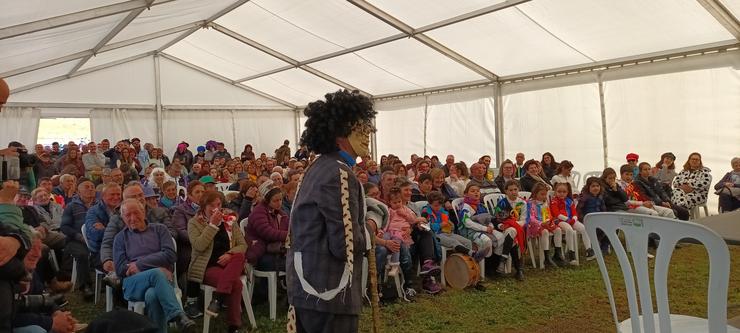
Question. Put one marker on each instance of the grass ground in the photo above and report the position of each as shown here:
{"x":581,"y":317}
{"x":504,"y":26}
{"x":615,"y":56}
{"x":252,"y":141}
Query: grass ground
{"x":554,"y":300}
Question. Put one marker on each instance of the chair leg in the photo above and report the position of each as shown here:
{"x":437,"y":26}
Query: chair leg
{"x":706,"y":210}
{"x":541,"y":249}
{"x":108,"y":299}
{"x":482,"y":265}
{"x":531,"y":252}
{"x":575,"y":241}
{"x":272,"y":291}
{"x":507,"y":268}
{"x":398,"y":279}
{"x":207,"y":298}
{"x":365,"y":273}
{"x":74,"y":274}
{"x":98,"y":286}
{"x":248,"y":302}
{"x":442,"y":267}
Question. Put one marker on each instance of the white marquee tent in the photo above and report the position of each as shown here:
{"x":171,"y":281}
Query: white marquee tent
{"x":589,"y":80}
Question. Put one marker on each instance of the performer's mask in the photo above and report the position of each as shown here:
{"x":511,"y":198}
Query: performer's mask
{"x":359,"y":138}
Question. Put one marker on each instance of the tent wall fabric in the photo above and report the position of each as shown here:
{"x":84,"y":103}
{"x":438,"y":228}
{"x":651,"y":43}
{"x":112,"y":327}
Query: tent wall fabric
{"x":116,"y":124}
{"x":19,"y":124}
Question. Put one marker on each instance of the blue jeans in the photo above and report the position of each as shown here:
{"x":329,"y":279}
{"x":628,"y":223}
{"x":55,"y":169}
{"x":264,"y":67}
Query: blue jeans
{"x":29,"y":329}
{"x":381,"y":254}
{"x":158,"y":294}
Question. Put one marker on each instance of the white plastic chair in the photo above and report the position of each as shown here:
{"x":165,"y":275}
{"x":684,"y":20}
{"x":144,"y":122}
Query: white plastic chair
{"x":98,"y":273}
{"x":271,"y":277}
{"x":590,"y":174}
{"x":491,"y":200}
{"x":576,"y":180}
{"x":636,"y":229}
{"x":223,"y":187}
{"x":182,"y":193}
{"x":481,"y":263}
{"x":417,"y":206}
{"x":208,"y":297}
{"x":525,"y":195}
{"x":696,"y":212}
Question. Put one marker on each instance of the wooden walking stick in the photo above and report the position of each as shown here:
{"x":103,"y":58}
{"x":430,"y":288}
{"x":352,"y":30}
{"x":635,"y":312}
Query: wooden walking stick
{"x":372,"y":271}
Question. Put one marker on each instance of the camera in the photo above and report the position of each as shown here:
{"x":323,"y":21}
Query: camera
{"x":40,"y":303}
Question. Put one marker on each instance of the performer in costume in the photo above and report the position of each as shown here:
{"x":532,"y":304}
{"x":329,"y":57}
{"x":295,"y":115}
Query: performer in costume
{"x":327,"y":238}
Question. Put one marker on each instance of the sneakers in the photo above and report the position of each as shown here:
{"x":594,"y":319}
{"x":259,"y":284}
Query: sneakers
{"x":112,"y":280}
{"x":410,"y":293}
{"x":185,"y":324}
{"x":519,"y":275}
{"x":590,"y":255}
{"x":192,"y":311}
{"x":572,"y":258}
{"x":479,"y":287}
{"x":393,"y":272}
{"x":430,"y":285}
{"x":88,"y":294}
{"x":214,"y":308}
{"x":557,"y":258}
{"x":429,"y":268}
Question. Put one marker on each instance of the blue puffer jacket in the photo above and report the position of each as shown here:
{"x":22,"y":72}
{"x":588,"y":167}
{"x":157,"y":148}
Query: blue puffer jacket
{"x":96,"y":213}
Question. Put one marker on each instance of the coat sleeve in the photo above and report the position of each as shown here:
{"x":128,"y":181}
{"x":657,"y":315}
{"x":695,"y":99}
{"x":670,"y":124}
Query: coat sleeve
{"x":721,"y":183}
{"x":93,"y":235}
{"x":200,"y":237}
{"x":165,"y":257}
{"x":178,"y":226}
{"x":68,"y":222}
{"x":111,"y":230}
{"x":265,"y":230}
{"x":119,"y":256}
{"x":468,"y":222}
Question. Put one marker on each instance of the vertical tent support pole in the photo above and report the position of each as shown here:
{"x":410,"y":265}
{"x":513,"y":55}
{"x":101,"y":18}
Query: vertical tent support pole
{"x":158,"y":94}
{"x":374,"y":143}
{"x":297,"y":123}
{"x":233,"y":131}
{"x":426,"y":105}
{"x":602,"y":106}
{"x":498,"y":109}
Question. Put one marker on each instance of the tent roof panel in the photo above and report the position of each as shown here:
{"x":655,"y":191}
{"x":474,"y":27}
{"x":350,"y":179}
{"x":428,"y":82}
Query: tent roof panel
{"x":295,"y":86}
{"x":305,"y":29}
{"x":401,"y":65}
{"x":418,"y":13}
{"x":128,"y":51}
{"x":507,"y":42}
{"x":43,"y":45}
{"x":33,"y":10}
{"x":170,"y":15}
{"x":613,"y":29}
{"x":39,"y":75}
{"x":223,"y":55}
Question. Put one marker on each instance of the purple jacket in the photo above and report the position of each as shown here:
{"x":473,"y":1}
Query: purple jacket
{"x":178,"y":225}
{"x":265,"y":226}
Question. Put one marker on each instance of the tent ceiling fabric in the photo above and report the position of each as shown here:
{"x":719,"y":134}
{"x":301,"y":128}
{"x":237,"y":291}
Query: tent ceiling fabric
{"x":349,"y":44}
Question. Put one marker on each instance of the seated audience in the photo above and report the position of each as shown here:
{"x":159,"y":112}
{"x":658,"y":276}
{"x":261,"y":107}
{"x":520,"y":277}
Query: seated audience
{"x":266,"y":233}
{"x":97,"y":219}
{"x":478,"y":177}
{"x":144,"y":255}
{"x":401,"y":219}
{"x":73,"y":219}
{"x":645,"y":191}
{"x":563,"y":175}
{"x":665,"y":171}
{"x":549,"y":165}
{"x":540,"y":225}
{"x":458,"y":177}
{"x":520,"y":169}
{"x":217,"y":258}
{"x":67,"y":188}
{"x":533,"y":176}
{"x":93,"y":158}
{"x":564,"y":212}
{"x":506,"y":174}
{"x":168,"y":196}
{"x":691,"y":185}
{"x":728,"y":188}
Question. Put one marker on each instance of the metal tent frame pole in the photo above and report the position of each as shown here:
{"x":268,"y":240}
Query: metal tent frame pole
{"x":498,"y":109}
{"x":158,"y":105}
{"x":602,"y":107}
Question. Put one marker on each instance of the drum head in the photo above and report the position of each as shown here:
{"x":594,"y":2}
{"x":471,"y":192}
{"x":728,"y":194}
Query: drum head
{"x":457,"y":272}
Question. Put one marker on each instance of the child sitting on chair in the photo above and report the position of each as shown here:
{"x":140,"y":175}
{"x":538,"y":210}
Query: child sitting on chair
{"x":475,"y":223}
{"x":539,"y":224}
{"x":563,"y":211}
{"x":592,"y":201}
{"x":440,"y":224}
{"x":510,"y":214}
{"x":399,"y":230}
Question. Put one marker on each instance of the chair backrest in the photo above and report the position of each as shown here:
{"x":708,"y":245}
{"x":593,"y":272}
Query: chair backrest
{"x":418,"y":206}
{"x":222,"y":187}
{"x":525,"y":195}
{"x":455,"y":203}
{"x":551,"y":194}
{"x":576,"y":180}
{"x":84,"y":234}
{"x":591,"y":174}
{"x":485,"y":191}
{"x":243,"y":225}
{"x":491,"y":200}
{"x":636,"y":229}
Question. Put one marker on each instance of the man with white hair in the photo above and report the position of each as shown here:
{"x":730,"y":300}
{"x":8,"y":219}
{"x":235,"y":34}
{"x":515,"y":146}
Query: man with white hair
{"x":144,"y":255}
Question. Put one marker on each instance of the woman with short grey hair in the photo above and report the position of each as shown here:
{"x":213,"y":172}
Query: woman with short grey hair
{"x":728,"y":188}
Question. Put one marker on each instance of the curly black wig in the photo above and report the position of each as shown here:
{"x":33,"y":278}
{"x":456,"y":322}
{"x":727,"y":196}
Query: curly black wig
{"x":333,"y":118}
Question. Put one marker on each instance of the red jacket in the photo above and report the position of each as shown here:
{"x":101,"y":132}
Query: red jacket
{"x":565,"y":207}
{"x":265,"y":226}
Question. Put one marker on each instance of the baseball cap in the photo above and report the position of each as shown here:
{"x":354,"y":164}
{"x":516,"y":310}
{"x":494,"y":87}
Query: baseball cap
{"x":633,"y":157}
{"x":207,"y":180}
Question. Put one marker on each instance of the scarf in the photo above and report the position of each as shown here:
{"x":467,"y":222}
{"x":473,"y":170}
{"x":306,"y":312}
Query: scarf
{"x":473,"y":203}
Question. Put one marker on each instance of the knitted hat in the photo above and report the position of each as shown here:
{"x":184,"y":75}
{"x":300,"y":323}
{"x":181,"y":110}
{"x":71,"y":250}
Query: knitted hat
{"x":265,"y":187}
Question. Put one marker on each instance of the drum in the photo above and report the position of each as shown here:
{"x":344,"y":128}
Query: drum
{"x":461,"y":271}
